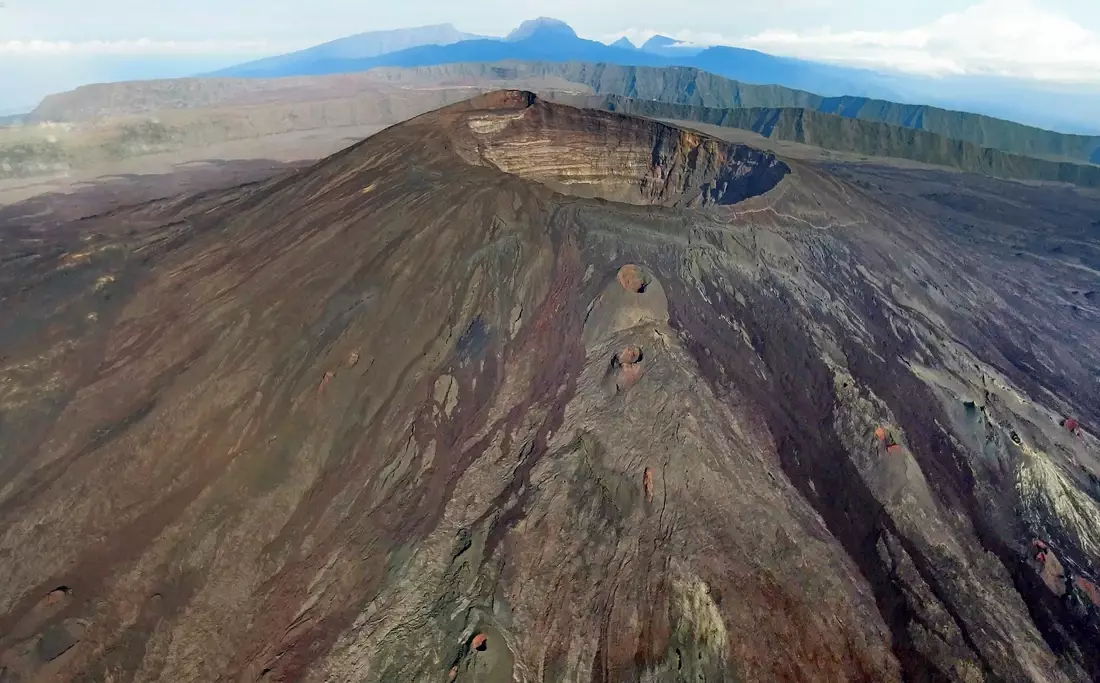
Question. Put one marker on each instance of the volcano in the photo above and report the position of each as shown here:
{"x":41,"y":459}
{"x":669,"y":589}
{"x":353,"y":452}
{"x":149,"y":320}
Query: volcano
{"x":515,"y":391}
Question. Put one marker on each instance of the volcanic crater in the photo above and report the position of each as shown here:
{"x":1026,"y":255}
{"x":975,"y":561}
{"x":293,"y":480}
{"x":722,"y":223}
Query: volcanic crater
{"x":591,"y":153}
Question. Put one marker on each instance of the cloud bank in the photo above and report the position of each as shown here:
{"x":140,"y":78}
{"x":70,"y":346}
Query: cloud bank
{"x":140,"y":46}
{"x":1012,"y":38}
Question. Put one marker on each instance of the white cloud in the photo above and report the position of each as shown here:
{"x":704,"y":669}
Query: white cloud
{"x":1016,"y":38}
{"x":140,"y":46}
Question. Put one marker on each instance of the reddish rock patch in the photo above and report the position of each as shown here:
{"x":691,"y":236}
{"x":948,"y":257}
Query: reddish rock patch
{"x":629,"y":364}
{"x":629,"y":355}
{"x":1088,"y":588}
{"x":647,"y":483}
{"x":480,"y":642}
{"x":630,"y":374}
{"x":324,"y":382}
{"x":1052,"y":571}
{"x":883,"y":434}
{"x":57,"y":595}
{"x":632,"y":279}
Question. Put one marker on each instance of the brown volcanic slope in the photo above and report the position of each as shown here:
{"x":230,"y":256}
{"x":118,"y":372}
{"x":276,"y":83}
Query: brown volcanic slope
{"x":117,"y":128}
{"x":754,"y":421}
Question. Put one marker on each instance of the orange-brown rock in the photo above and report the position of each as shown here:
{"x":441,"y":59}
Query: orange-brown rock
{"x":479,"y":642}
{"x":631,"y":278}
{"x":647,"y":484}
{"x":629,"y":375}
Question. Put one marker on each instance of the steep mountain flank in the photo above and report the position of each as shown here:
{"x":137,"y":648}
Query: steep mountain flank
{"x":432,"y":409}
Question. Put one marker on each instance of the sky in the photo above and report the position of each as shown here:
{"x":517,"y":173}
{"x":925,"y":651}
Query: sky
{"x":52,"y":45}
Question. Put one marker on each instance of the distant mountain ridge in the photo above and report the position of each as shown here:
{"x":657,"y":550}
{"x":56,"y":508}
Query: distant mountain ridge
{"x":674,"y":85}
{"x":228,"y":109}
{"x":547,"y":39}
{"x":844,"y":134}
{"x":684,"y":85}
{"x":669,"y":47}
{"x":534,"y":41}
{"x":543,"y":27}
{"x":359,"y":46}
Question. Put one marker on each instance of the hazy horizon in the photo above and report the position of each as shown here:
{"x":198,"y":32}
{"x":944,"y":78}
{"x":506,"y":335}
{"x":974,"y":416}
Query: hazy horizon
{"x":1054,"y":45}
